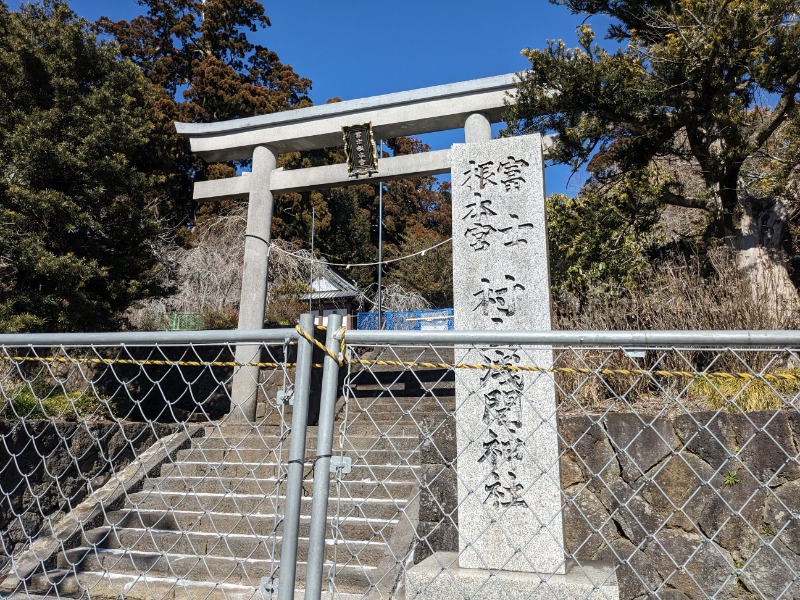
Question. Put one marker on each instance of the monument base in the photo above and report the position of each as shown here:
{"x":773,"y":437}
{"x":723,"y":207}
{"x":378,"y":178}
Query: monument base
{"x":440,"y":577}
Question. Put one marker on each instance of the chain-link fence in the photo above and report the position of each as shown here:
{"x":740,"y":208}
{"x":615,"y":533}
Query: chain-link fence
{"x":119,"y":478}
{"x":676,"y":464}
{"x":649,"y":465}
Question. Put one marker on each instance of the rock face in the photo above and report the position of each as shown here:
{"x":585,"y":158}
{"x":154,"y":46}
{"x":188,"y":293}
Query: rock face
{"x":693,"y":506}
{"x":48,"y":467}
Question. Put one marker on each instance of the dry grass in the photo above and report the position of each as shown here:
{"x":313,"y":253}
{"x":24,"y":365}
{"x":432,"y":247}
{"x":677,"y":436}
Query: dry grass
{"x":747,"y":395}
{"x":678,"y":297}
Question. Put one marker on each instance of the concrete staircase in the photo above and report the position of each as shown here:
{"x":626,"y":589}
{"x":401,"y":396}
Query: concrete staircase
{"x":208,"y":524}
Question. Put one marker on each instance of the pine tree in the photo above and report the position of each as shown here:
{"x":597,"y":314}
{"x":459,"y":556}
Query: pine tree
{"x":700,"y":87}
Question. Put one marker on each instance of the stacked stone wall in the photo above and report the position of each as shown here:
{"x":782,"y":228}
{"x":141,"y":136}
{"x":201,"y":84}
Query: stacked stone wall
{"x":49,"y":467}
{"x":696,"y":505}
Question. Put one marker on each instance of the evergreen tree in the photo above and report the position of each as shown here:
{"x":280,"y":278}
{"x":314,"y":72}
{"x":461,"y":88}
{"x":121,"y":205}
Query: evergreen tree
{"x":601,"y":242}
{"x":76,"y":231}
{"x":701,"y":86}
{"x":198,"y":55}
{"x":419,"y":217}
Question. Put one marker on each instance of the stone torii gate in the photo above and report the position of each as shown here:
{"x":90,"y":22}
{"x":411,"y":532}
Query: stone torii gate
{"x":473,"y":105}
{"x":511,"y":541}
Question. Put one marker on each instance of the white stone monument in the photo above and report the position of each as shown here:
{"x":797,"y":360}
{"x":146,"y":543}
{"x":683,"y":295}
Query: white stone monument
{"x":508,"y":477}
{"x":511,"y":542}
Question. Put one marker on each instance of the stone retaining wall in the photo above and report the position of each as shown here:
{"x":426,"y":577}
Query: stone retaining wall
{"x":49,"y":467}
{"x":693,"y":506}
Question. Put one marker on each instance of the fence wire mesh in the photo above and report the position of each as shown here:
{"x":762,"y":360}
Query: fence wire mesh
{"x":118,"y":479}
{"x":675,"y":471}
{"x":677,"y":468}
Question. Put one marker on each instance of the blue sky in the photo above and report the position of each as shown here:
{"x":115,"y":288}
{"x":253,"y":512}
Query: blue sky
{"x":406,"y":45}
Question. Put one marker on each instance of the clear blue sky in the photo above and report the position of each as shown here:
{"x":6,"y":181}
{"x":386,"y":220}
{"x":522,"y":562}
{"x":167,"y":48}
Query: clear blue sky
{"x":407,"y":45}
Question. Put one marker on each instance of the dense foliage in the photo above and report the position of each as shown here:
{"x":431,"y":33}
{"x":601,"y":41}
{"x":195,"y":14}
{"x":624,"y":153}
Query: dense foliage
{"x":204,"y":67}
{"x":76,"y":175}
{"x":700,"y":100}
{"x":601,"y":241}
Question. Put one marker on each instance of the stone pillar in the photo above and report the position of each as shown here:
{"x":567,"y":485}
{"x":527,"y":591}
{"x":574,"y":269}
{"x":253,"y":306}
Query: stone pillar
{"x":511,"y":540}
{"x":508,"y":473}
{"x":477,"y":128}
{"x":254,"y":283}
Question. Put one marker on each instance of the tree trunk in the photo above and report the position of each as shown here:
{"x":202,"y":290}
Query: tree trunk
{"x":761,"y":260}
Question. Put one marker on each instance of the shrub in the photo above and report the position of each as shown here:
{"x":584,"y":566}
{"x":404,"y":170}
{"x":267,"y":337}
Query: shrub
{"x":746,"y":394}
{"x":23,"y":403}
{"x":220,"y":318}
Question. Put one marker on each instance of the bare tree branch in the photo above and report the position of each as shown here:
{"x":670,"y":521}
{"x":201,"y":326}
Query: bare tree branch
{"x":778,"y":114}
{"x":668,"y":197}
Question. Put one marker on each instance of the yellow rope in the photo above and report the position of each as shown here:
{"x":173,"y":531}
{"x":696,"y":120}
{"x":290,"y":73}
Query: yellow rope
{"x":339,"y":360}
{"x":582,"y":371}
{"x":156,"y":362}
{"x":408,"y":364}
{"x":342,"y":343}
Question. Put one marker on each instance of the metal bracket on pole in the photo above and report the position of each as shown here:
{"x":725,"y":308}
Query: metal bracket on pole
{"x":286,"y":397}
{"x":342,"y":464}
{"x":268,"y":586}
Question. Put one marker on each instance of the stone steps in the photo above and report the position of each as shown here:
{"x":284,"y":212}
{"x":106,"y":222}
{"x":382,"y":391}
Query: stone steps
{"x":208,"y":523}
{"x":216,"y":455}
{"x":383,"y":410}
{"x":269,"y":470}
{"x":366,"y":425}
{"x":214,"y":485}
{"x":258,"y":524}
{"x":383,"y":416}
{"x":381,"y":423}
{"x":362,"y":425}
{"x":103,"y":586}
{"x":191,"y":567}
{"x":216,"y":441}
{"x":247,"y":504}
{"x":228,"y":545}
{"x":389,"y":415}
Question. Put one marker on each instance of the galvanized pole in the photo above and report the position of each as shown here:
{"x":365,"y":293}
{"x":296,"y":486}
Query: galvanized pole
{"x":322,"y":464}
{"x":380,"y":247}
{"x":297,"y":451}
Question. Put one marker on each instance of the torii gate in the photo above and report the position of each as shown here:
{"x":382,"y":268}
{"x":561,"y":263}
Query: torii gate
{"x":471,"y":105}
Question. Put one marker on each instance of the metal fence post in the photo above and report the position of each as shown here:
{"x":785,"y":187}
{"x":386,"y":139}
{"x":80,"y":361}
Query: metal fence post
{"x":322,"y":464}
{"x":297,"y":450}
